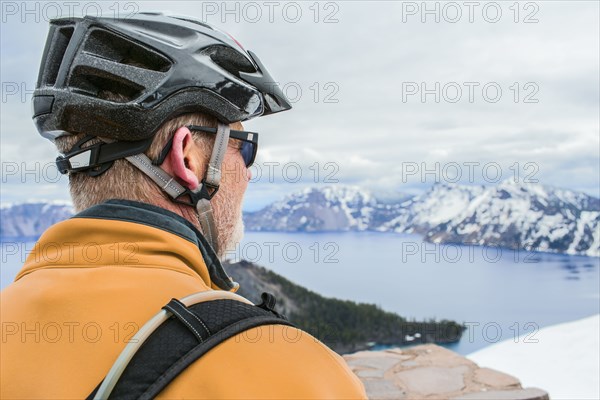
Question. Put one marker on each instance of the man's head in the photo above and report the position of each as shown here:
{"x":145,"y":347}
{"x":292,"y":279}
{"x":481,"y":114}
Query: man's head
{"x":126,"y":90}
{"x":186,"y":161}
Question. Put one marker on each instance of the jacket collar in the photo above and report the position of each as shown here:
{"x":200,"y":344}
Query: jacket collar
{"x":157,"y":217}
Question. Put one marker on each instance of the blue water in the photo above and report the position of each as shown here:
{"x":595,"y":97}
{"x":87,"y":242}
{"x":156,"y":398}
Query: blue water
{"x":500,"y":294}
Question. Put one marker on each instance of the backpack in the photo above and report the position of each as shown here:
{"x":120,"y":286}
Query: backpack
{"x":176,"y":337}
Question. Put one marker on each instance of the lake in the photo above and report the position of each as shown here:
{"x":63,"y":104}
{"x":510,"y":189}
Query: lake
{"x":498,"y":293}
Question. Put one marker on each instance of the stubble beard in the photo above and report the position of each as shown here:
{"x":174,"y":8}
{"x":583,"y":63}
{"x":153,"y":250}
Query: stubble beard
{"x":227,"y":211}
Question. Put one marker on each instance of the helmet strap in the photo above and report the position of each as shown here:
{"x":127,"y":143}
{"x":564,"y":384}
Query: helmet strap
{"x":200,"y":197}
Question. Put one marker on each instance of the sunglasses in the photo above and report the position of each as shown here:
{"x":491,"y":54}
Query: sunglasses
{"x":249,"y":141}
{"x":248,"y":149}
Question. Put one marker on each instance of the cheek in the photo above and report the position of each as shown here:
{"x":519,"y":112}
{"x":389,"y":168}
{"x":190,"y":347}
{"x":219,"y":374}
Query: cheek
{"x":234,"y":172}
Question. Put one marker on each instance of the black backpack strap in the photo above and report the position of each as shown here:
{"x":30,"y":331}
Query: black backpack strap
{"x":189,"y":319}
{"x":187,"y":335}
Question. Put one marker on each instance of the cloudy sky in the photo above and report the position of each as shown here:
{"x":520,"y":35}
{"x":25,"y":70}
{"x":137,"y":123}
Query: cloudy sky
{"x":389,"y":96}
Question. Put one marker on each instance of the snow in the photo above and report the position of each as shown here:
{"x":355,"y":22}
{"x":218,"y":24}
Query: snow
{"x":548,"y":224}
{"x":468,"y":228}
{"x":565,"y":360}
{"x":590,"y":219}
{"x":453,"y":205}
{"x":527,"y":213}
{"x":7,"y":205}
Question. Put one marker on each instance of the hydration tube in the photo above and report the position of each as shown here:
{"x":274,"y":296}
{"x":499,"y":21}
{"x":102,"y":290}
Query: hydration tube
{"x":144,"y":333}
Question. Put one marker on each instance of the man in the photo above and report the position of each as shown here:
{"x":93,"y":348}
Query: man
{"x":147,"y":113}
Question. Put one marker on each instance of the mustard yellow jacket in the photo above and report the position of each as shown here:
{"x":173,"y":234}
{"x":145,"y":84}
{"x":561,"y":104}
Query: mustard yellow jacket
{"x":92,"y":281}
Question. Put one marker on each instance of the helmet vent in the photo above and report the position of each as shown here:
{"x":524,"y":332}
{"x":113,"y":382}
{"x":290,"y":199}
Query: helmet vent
{"x":229,"y":59}
{"x":55,"y":54}
{"x":112,"y":47}
{"x":97,"y":83}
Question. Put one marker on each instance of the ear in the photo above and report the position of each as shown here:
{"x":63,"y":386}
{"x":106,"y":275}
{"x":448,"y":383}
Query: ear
{"x":182,"y":161}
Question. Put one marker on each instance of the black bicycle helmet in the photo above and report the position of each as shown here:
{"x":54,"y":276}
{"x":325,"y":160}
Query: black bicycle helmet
{"x":161,"y":66}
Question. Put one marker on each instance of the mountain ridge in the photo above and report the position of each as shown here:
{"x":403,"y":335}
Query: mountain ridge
{"x":518,"y":216}
{"x":532,"y":217}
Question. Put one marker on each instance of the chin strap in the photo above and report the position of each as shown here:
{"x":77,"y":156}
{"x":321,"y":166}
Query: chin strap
{"x":201,"y":196}
{"x":211,"y":181}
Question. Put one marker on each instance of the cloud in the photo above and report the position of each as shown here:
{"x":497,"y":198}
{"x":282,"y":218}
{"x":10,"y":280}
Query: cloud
{"x":347,"y":79}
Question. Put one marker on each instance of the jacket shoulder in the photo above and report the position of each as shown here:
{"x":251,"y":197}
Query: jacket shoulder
{"x":268,"y":362}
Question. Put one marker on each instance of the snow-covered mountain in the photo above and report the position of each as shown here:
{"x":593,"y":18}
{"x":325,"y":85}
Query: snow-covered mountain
{"x":528,"y":216}
{"x":525,"y":216}
{"x":30,"y":220}
{"x":332,"y":208}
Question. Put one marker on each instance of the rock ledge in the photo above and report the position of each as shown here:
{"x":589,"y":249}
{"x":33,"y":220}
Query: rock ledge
{"x":433,"y":372}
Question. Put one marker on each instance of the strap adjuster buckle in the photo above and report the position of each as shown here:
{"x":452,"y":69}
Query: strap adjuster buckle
{"x":63,"y":165}
{"x":77,"y":161}
{"x":206,"y":186}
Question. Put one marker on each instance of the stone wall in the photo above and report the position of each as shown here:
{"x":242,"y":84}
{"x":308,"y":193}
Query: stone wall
{"x":433,"y":372}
